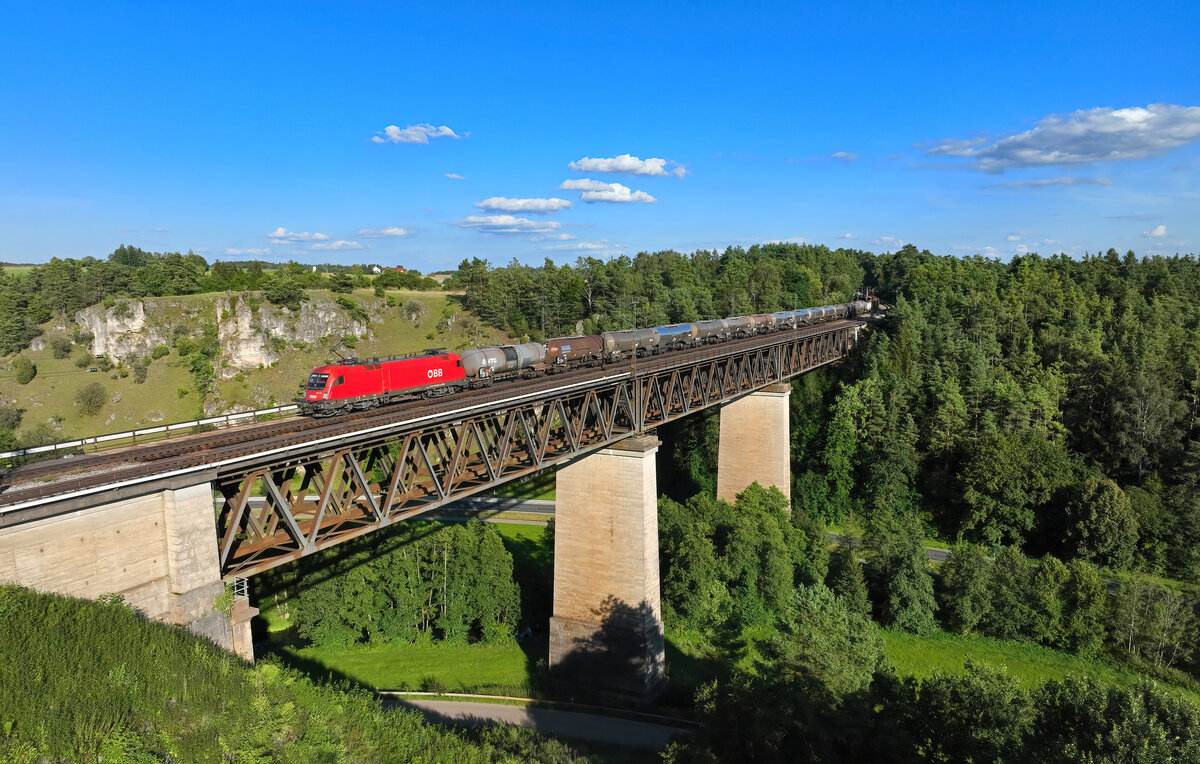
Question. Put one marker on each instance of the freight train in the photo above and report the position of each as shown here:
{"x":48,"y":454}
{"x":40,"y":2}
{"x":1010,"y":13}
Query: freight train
{"x":359,"y":385}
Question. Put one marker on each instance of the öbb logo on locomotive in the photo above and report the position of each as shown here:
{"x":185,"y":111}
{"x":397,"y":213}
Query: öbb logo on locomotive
{"x":359,"y":385}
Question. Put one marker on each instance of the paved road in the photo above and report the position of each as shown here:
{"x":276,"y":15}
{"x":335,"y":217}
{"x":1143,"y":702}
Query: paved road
{"x":548,"y":721}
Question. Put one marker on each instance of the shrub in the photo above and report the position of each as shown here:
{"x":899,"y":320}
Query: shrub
{"x":10,"y":417}
{"x":159,"y":352}
{"x":60,"y":347}
{"x":286,"y":292}
{"x":82,"y":336}
{"x":356,"y":311}
{"x":26,"y":370}
{"x":140,"y":368}
{"x":90,"y":398}
{"x":84,"y":360}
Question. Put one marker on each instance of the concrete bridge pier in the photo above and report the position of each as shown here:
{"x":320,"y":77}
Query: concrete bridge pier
{"x":158,"y":551}
{"x":606,"y":633}
{"x":755,"y":443}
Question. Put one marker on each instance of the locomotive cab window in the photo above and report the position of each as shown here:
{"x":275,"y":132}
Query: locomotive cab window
{"x":317,"y":381}
{"x":339,"y":381}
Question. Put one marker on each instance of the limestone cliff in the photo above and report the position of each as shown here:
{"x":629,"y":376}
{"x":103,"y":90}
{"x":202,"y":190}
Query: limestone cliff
{"x":252,"y":332}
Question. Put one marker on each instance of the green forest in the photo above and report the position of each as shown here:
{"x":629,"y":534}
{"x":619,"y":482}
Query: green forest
{"x":1036,"y":417}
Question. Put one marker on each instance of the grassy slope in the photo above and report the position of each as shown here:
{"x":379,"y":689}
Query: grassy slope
{"x":51,"y":394}
{"x":80,"y":679}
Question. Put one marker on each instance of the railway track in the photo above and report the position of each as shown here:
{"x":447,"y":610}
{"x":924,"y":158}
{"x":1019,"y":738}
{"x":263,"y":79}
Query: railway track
{"x":43,"y":480}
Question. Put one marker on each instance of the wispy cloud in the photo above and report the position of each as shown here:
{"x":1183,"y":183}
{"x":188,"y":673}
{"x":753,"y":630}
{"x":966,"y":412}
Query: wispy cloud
{"x":1157,"y":232}
{"x":1085,"y":136}
{"x":603,"y":245}
{"x":413,"y":134}
{"x":379,"y":233}
{"x":455,"y":176}
{"x":536,"y":206}
{"x":336,"y":245}
{"x":262,"y":251}
{"x":596,"y":191}
{"x":1047,"y":182}
{"x":282,"y":235}
{"x":890,"y":241}
{"x":507,"y":225}
{"x":844,"y":156}
{"x":1012,"y":237}
{"x":846,"y":236}
{"x":628,"y":164}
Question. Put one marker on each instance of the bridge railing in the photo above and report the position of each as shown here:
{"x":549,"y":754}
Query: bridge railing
{"x":154,"y":433}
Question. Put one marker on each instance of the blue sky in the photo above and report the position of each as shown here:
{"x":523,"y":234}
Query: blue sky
{"x":422,"y":134}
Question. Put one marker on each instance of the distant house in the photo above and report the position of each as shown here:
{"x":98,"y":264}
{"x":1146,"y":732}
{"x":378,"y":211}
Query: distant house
{"x":400,"y":269}
{"x":376,"y":270}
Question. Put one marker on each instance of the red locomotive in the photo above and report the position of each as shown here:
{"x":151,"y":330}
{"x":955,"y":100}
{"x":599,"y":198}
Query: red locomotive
{"x":339,"y":388}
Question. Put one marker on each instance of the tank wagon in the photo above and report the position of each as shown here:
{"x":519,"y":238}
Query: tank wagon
{"x":358,"y":385}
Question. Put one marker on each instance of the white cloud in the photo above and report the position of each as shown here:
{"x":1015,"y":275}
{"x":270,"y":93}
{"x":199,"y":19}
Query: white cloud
{"x":336,"y":245}
{"x":536,"y":206}
{"x":413,"y":134}
{"x":845,"y":156}
{"x":846,"y":236}
{"x":262,"y":251}
{"x":507,"y":225}
{"x":455,"y":176}
{"x":282,"y":235}
{"x":377,"y":233}
{"x":1088,"y":135}
{"x":584,"y":246}
{"x":890,"y":241}
{"x":553,"y":237}
{"x":629,"y":165}
{"x":1022,"y":249}
{"x":1045,"y":182}
{"x":1157,"y":232}
{"x":1012,"y":237}
{"x":596,"y":191}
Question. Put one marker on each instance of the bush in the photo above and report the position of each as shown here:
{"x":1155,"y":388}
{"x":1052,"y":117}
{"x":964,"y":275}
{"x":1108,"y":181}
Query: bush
{"x":10,"y":417}
{"x":141,"y":366}
{"x":26,"y":370}
{"x":286,"y":292}
{"x":159,"y":352}
{"x":356,"y":311}
{"x":84,"y":360}
{"x":90,"y":398}
{"x":342,"y":283}
{"x":60,"y":347}
{"x":82,"y":336}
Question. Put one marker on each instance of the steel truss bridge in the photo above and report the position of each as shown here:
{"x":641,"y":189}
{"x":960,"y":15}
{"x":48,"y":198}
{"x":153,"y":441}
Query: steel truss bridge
{"x":296,"y":486}
{"x":391,"y":473}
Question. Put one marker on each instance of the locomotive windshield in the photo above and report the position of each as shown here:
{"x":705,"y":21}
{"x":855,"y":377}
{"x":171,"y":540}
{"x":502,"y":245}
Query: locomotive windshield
{"x":317,"y":381}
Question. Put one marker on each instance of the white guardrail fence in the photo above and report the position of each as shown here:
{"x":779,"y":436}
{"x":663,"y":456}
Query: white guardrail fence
{"x":218,"y":422}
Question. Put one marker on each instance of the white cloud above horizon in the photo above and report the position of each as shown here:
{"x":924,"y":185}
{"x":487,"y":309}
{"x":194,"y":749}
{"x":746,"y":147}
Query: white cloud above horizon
{"x":603,"y":245}
{"x":890,"y":241}
{"x":1081,"y":137}
{"x":597,"y":191}
{"x":282,"y":235}
{"x":535,"y":206}
{"x":1157,"y":232}
{"x":336,"y":245}
{"x":420,"y":133}
{"x":627,"y":164}
{"x":260,"y":251}
{"x":507,"y":225}
{"x":379,"y":233}
{"x":845,"y":156}
{"x":455,"y":176}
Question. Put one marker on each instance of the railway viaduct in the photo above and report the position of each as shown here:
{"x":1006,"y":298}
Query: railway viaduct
{"x":172,"y":529}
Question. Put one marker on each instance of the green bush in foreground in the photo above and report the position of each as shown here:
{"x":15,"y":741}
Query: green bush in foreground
{"x":80,"y":680}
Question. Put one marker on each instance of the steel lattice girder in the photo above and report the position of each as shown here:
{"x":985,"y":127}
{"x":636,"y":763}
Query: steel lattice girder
{"x":279,"y":513}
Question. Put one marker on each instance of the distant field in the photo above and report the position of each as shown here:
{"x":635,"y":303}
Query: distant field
{"x":17,"y":269}
{"x":1029,"y":664}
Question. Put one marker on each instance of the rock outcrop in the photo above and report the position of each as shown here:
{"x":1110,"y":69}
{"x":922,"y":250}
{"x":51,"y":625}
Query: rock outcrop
{"x":252,"y":333}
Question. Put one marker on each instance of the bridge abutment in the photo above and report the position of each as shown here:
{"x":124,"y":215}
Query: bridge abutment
{"x":606,"y":633}
{"x":755,"y":443}
{"x":157,"y":551}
